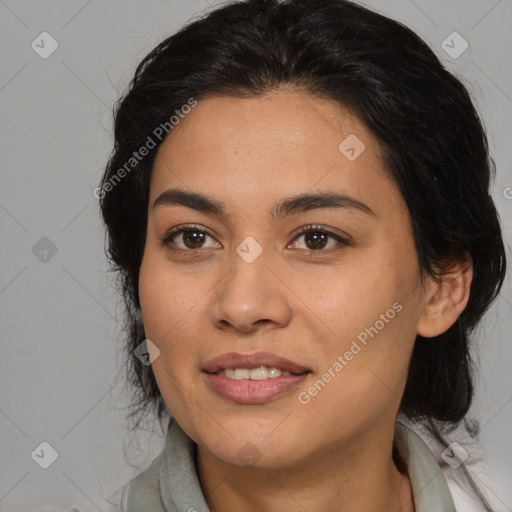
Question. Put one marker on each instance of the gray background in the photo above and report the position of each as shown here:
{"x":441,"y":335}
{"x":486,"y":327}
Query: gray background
{"x":60,"y":376}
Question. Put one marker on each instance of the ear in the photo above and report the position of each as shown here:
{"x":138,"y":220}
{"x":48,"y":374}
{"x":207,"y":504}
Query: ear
{"x":446,"y":299}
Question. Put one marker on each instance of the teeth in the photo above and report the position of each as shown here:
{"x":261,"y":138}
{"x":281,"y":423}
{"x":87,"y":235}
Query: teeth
{"x":276,"y":372}
{"x":260,"y":373}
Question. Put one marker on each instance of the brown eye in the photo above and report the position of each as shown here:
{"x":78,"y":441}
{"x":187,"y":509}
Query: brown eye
{"x":186,"y":239}
{"x":316,"y":239}
{"x":192,"y":239}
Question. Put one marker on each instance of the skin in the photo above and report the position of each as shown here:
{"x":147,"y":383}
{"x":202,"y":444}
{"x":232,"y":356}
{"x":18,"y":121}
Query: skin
{"x":334,"y":452}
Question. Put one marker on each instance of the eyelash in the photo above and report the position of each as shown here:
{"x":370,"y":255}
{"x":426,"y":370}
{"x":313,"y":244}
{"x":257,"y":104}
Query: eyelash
{"x":311,"y":228}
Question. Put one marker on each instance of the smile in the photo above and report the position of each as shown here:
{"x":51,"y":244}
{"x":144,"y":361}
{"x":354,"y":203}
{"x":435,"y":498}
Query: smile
{"x":260,"y":373}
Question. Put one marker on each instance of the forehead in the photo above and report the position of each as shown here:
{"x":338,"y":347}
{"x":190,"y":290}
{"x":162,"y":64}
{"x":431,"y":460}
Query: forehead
{"x":282,"y":143}
{"x":287,"y":122}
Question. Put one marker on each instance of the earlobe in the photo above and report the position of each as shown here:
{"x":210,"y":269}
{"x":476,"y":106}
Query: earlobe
{"x":446,"y":300}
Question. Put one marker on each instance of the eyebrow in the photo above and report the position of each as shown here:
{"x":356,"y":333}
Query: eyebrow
{"x":288,"y":206}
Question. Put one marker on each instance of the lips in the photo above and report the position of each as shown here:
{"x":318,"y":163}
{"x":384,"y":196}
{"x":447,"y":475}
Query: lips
{"x":253,"y":392}
{"x":254,"y":360}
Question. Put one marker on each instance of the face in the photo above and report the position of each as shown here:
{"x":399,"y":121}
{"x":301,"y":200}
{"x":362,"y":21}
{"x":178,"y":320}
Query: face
{"x":341,"y":300}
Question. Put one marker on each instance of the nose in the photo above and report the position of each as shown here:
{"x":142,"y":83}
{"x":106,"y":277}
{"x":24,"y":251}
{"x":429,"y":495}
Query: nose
{"x":251,"y":296}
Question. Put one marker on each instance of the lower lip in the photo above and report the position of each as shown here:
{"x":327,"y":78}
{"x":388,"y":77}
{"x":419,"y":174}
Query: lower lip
{"x":253,"y":391}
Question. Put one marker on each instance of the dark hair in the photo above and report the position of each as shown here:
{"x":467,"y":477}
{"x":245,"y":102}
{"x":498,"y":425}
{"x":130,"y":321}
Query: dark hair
{"x":431,"y":138}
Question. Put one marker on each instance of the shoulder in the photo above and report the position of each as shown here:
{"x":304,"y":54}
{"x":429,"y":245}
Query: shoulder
{"x":460,"y":458}
{"x":55,"y":509}
{"x":144,"y":492}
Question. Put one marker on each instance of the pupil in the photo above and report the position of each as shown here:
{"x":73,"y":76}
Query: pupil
{"x":195,"y":241}
{"x":314,"y":240}
{"x":316,"y":235}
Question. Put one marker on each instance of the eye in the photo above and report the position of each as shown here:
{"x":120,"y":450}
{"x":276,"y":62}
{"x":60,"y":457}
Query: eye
{"x":316,"y":239}
{"x":190,"y":236}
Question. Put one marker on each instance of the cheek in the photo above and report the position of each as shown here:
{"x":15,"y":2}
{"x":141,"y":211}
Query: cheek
{"x":349,"y":298}
{"x":154,"y":295}
{"x":167,"y":304}
{"x":372,"y":315}
{"x":166,"y":297}
{"x":362,"y":375}
{"x":173,"y":304}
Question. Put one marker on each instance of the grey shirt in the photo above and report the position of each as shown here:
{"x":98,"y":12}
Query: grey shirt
{"x":171,"y":483}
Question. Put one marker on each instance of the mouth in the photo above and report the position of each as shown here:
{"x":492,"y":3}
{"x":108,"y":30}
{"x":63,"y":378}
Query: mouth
{"x":253,"y":378}
{"x":255,"y":366}
{"x":260,"y":373}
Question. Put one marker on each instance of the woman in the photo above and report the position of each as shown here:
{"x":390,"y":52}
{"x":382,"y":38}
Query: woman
{"x":298,"y":206}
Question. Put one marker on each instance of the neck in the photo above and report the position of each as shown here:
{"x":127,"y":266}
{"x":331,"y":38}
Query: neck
{"x":362,"y":476}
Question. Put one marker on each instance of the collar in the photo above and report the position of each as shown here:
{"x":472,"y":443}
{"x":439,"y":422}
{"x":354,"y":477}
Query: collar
{"x":171,"y":483}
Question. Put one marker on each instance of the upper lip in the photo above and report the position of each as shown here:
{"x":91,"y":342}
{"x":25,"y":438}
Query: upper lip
{"x":254,"y":360}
